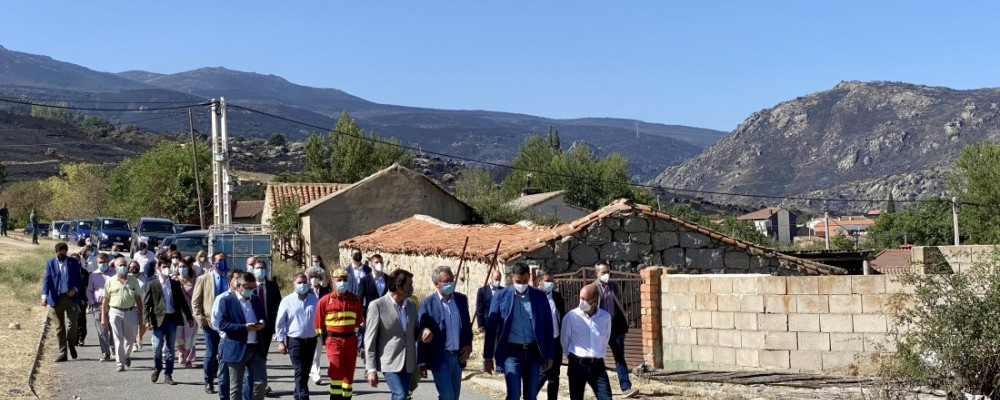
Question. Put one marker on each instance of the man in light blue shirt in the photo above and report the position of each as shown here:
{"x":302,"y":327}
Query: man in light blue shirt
{"x":296,"y":332}
{"x":444,"y":315}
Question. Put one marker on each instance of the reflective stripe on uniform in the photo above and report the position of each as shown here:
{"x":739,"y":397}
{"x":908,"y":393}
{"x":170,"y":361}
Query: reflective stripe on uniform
{"x":341,"y":314}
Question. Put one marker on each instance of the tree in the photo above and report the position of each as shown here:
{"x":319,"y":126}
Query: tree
{"x":276,"y":140}
{"x":744,"y":230}
{"x":841,"y":242}
{"x":22,"y":197}
{"x":927,"y":224}
{"x":354,"y":155}
{"x":78,"y":192}
{"x":476,"y":188}
{"x":252,"y":190}
{"x":52,"y":113}
{"x":285,"y":221}
{"x":97,"y":126}
{"x":160,"y":183}
{"x":976,"y":180}
{"x":890,"y":206}
{"x":316,"y":152}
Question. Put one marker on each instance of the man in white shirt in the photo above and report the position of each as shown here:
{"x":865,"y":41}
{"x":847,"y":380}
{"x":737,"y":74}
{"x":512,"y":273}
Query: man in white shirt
{"x":584,"y":336}
{"x":142,"y":254}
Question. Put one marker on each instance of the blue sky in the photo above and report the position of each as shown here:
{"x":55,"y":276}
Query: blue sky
{"x":700,"y":63}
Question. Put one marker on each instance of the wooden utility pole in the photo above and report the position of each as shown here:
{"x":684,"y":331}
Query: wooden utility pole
{"x":197,"y":174}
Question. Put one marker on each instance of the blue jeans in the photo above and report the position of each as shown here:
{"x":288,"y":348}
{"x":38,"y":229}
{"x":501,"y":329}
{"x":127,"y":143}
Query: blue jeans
{"x":448,"y":377}
{"x":617,"y":345}
{"x":520,"y":371}
{"x":164,"y":335}
{"x":583,"y":372}
{"x":210,"y":364}
{"x":399,"y":384}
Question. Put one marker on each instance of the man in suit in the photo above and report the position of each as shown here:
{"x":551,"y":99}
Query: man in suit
{"x":356,"y":271}
{"x":372,"y":286}
{"x":209,"y":285}
{"x":484,"y":296}
{"x":242,"y":318}
{"x":390,"y":337}
{"x":61,"y":287}
{"x":270,"y":294}
{"x":519,"y":335}
{"x":165,"y":308}
{"x":445,"y":315}
{"x":558,"y":308}
{"x":619,"y":325}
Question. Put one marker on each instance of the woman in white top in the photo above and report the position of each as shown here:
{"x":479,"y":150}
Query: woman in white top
{"x":201,"y":263}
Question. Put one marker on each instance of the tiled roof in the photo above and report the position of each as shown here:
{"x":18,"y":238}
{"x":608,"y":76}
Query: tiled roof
{"x":892,"y":259}
{"x":763,"y":213}
{"x":532,"y":200}
{"x":421,"y":234}
{"x":394,"y":168}
{"x":279,"y":193}
{"x":248,"y":209}
{"x":425,"y":235}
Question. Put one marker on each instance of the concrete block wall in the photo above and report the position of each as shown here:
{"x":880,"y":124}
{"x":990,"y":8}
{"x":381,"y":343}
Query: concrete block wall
{"x":958,"y":258}
{"x":760,"y":322}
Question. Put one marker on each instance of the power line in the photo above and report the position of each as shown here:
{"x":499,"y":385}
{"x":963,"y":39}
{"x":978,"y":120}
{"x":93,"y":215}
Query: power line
{"x":597,"y":180}
{"x":74,"y":108}
{"x":193,"y":102}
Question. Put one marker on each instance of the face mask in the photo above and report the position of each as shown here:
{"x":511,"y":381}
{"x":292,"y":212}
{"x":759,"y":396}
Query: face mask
{"x":448,"y":288}
{"x":341,"y":287}
{"x":301,"y":288}
{"x":408,"y":292}
{"x":165,"y":272}
{"x":520,"y":287}
{"x":122,"y":270}
{"x":548,"y":286}
{"x":314,"y":281}
{"x":183,"y":271}
{"x":356,"y":257}
{"x":221,"y":266}
{"x":495,"y":284}
{"x":103,"y":267}
{"x":584,"y":306}
{"x":316,"y":265}
{"x":605,"y":278}
{"x":378,"y":267}
{"x":260,"y":273}
{"x":175,"y":261}
{"x":247,"y":293}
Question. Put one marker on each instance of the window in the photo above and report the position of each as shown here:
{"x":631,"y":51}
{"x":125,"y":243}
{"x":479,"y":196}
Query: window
{"x":116,"y":224}
{"x":157,"y":227}
{"x":190,"y":244}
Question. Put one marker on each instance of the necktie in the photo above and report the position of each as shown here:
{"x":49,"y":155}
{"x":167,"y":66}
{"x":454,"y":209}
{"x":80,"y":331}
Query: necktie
{"x":260,"y":291}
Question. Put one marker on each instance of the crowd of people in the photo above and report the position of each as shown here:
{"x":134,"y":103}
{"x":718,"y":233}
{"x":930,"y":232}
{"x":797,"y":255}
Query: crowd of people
{"x":360,"y":310}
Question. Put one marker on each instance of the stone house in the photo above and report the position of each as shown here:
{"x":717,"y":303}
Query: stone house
{"x":248,"y":212}
{"x":300,"y":193}
{"x":552,"y":204}
{"x":628,"y":236}
{"x":384,"y":197}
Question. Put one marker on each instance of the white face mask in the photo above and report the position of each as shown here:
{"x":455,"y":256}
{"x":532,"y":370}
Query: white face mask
{"x":378,"y":267}
{"x":316,"y":264}
{"x":584,"y":306}
{"x":605,"y":278}
{"x":520,"y":287}
{"x":495,"y":284}
{"x":165,"y":271}
{"x":314,"y":281}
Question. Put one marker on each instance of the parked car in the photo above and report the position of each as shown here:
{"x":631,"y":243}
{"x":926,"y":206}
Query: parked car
{"x":78,"y":230}
{"x":151,"y":231}
{"x":43,"y":229}
{"x":181,"y":228}
{"x":64,"y":230}
{"x":107,"y":232}
{"x":191,"y":242}
{"x":165,"y":243}
{"x":55,"y":228}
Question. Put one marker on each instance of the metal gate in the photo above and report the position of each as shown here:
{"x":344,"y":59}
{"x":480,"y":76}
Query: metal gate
{"x":569,"y":285}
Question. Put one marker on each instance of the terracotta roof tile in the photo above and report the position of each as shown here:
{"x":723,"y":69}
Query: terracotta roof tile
{"x":890,"y":258}
{"x":279,"y":193}
{"x":425,"y":235}
{"x":248,"y":209}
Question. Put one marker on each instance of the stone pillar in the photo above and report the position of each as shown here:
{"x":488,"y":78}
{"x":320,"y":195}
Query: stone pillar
{"x":652,"y":327}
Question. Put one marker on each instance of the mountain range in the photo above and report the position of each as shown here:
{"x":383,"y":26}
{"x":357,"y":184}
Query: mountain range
{"x":858,"y":140}
{"x":474,"y":134}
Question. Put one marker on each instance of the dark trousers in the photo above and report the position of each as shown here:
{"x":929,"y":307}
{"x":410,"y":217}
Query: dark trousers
{"x":301,"y":351}
{"x":81,"y":321}
{"x":211,"y":360}
{"x":551,"y":375}
{"x":617,"y":347}
{"x":66,"y":311}
{"x":521,"y":370}
{"x":588,"y":371}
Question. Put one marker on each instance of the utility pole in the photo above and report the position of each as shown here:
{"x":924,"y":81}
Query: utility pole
{"x":954,"y":217}
{"x":220,"y":165}
{"x":826,"y":225}
{"x":197,"y":173}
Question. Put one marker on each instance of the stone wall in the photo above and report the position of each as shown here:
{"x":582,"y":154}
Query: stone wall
{"x":953,"y":258}
{"x":828,"y":324}
{"x":630,"y":240}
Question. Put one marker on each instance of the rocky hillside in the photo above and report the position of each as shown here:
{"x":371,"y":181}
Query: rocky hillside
{"x":857,"y":140}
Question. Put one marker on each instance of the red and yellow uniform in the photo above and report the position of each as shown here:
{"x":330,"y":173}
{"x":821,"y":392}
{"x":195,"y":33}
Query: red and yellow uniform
{"x":338,"y":316}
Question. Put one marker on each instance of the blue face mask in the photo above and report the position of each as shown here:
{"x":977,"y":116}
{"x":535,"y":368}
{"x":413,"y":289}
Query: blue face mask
{"x":548,"y":287}
{"x":260,"y":274}
{"x":341,"y":286}
{"x":247,"y":293}
{"x":123,"y":270}
{"x":302,"y":288}
{"x":221,"y":266}
{"x":448,"y":288}
{"x":103,"y":267}
{"x":183,"y":271}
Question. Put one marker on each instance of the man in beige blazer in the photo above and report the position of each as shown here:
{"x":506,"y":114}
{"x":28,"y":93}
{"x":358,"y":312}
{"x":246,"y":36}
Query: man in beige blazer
{"x":390,"y":335}
{"x":211,"y":283}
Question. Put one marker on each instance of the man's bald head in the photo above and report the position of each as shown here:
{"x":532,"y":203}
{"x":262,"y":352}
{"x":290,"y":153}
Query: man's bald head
{"x":495,"y":275}
{"x":591,"y":295}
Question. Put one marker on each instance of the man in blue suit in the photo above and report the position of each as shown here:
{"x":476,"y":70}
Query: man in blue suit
{"x":242,"y":318}
{"x":519,"y":335}
{"x":445,"y":316}
{"x":61,"y":293}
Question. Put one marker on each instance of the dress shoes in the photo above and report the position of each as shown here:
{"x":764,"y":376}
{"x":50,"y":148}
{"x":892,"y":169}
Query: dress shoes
{"x":62,"y":358}
{"x":72,"y":352}
{"x":155,"y":376}
{"x":209,"y":388}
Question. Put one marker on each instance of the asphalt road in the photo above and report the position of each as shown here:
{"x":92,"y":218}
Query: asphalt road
{"x":88,"y":378}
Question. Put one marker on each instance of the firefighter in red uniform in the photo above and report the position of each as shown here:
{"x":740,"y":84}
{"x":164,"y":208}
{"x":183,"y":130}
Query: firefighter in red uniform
{"x":338,"y":316}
